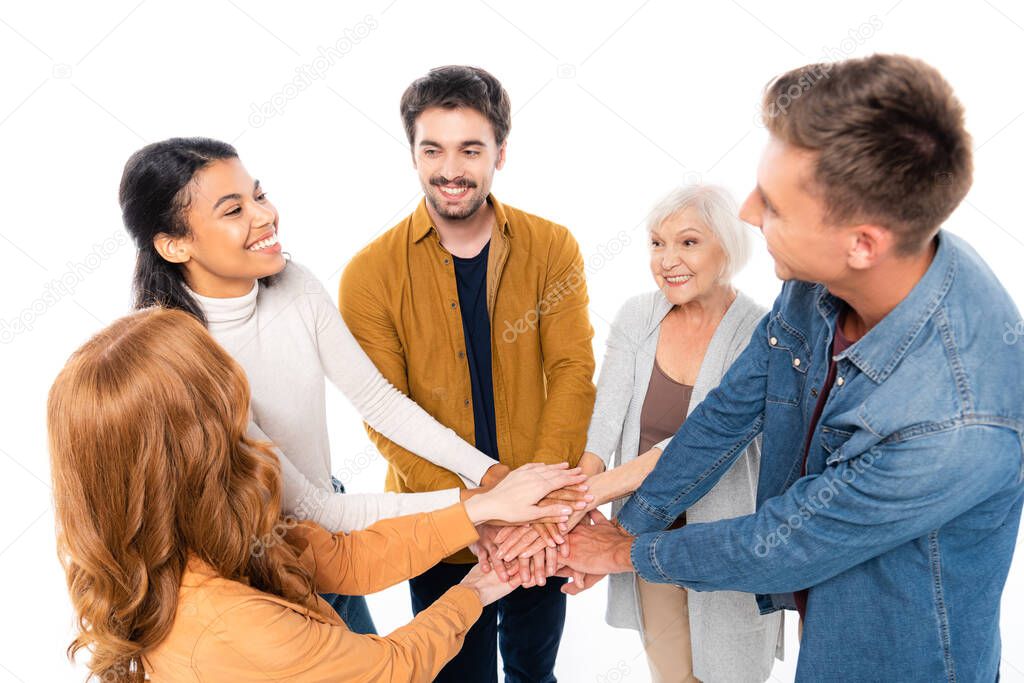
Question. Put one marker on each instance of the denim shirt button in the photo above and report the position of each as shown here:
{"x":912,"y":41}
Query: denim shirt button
{"x":840,"y":381}
{"x":796,"y":362}
{"x":773,"y":341}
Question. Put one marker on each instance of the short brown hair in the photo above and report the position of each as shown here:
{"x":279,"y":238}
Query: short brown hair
{"x":451,"y":87}
{"x":890,"y":137}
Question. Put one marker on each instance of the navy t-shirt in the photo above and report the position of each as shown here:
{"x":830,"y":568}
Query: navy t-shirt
{"x":471,"y":280}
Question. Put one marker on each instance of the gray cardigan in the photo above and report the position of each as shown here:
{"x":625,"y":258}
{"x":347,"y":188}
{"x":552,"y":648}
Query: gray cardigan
{"x":731,"y":640}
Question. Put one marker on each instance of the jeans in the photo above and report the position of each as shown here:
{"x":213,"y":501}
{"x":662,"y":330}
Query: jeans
{"x":352,"y":609}
{"x":526,"y":624}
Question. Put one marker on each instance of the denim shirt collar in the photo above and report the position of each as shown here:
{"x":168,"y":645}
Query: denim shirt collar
{"x":877,"y":353}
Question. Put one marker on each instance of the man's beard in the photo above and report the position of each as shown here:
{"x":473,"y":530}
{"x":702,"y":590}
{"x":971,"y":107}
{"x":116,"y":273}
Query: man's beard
{"x":454,"y":213}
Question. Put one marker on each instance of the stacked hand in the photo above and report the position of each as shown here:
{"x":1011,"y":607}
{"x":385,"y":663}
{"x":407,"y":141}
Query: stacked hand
{"x":534,"y":549}
{"x":531,"y":539}
{"x":596,"y":549}
{"x":578,"y":542}
{"x":489,"y":586}
{"x":592,"y":550}
{"x":522,"y":496}
{"x":529,"y":551}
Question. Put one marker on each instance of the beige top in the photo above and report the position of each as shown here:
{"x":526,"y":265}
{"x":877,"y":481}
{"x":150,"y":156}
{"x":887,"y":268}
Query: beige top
{"x":228,"y":631}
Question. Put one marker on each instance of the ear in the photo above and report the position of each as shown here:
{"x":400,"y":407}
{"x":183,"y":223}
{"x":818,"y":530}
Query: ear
{"x":501,"y":156}
{"x":869,"y":244}
{"x":172,"y":249}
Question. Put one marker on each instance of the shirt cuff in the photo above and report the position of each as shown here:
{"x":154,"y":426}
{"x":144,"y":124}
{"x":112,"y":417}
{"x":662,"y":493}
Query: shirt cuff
{"x":465,"y":602}
{"x":643,"y":555}
{"x":636,"y":517}
{"x":476,"y":469}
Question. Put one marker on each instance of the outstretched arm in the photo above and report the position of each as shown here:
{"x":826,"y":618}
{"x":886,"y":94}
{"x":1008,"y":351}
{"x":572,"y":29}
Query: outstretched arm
{"x":307,"y":500}
{"x":823,"y":524}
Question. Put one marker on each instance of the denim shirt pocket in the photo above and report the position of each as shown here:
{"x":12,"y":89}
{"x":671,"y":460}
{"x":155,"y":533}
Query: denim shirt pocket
{"x":833,"y":441}
{"x":788,"y":359}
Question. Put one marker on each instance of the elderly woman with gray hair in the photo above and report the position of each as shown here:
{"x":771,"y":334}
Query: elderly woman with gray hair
{"x":666,"y":350}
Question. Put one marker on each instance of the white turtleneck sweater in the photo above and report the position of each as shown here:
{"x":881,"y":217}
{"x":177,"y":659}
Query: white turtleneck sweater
{"x":288,"y":337}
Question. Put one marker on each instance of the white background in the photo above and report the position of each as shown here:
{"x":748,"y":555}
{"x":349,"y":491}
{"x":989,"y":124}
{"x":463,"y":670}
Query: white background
{"x":614,"y":104}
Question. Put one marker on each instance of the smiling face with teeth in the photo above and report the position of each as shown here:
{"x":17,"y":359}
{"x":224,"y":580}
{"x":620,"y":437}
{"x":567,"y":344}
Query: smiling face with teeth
{"x":455,"y":154}
{"x":232,"y":240}
{"x":687,"y":259}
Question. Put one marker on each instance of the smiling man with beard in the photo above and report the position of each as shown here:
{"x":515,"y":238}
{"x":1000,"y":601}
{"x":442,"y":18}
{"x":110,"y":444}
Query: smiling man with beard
{"x":424,"y":300}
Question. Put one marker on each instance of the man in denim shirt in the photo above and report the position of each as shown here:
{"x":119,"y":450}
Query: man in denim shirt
{"x":890,"y":406}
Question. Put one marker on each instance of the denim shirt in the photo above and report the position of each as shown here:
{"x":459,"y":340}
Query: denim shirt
{"x":904,"y":526}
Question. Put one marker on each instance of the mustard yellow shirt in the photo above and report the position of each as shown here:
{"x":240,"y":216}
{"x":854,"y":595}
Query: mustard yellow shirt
{"x":228,"y":631}
{"x":399,"y":298}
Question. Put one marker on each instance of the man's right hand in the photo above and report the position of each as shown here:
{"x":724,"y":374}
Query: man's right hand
{"x":596,"y":548}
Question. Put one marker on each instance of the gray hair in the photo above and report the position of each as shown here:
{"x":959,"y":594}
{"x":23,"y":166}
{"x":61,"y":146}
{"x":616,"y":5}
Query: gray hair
{"x":717,"y":211}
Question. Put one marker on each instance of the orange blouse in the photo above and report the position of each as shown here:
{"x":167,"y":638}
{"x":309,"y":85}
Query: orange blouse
{"x":227,"y":631}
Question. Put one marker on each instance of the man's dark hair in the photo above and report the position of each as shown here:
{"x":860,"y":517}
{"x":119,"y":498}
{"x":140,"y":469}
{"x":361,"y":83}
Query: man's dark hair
{"x":889,"y":136}
{"x":451,"y":87}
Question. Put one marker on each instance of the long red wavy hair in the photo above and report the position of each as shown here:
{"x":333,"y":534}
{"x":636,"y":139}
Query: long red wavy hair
{"x":150,"y":464}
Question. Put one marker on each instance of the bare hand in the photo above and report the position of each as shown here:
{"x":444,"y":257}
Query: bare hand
{"x":515,"y":498}
{"x":576,"y":496}
{"x":485,"y":550}
{"x":487,"y":585}
{"x":528,"y":540}
{"x":578,"y":581}
{"x":535,"y":570}
{"x":599,"y":547}
{"x":494,"y":475}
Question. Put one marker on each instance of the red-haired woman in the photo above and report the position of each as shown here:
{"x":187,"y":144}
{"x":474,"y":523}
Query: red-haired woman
{"x":179,"y":565}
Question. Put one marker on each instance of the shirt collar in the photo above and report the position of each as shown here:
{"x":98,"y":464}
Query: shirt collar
{"x":227,"y":310}
{"x":878,"y":352}
{"x":422,"y":223}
